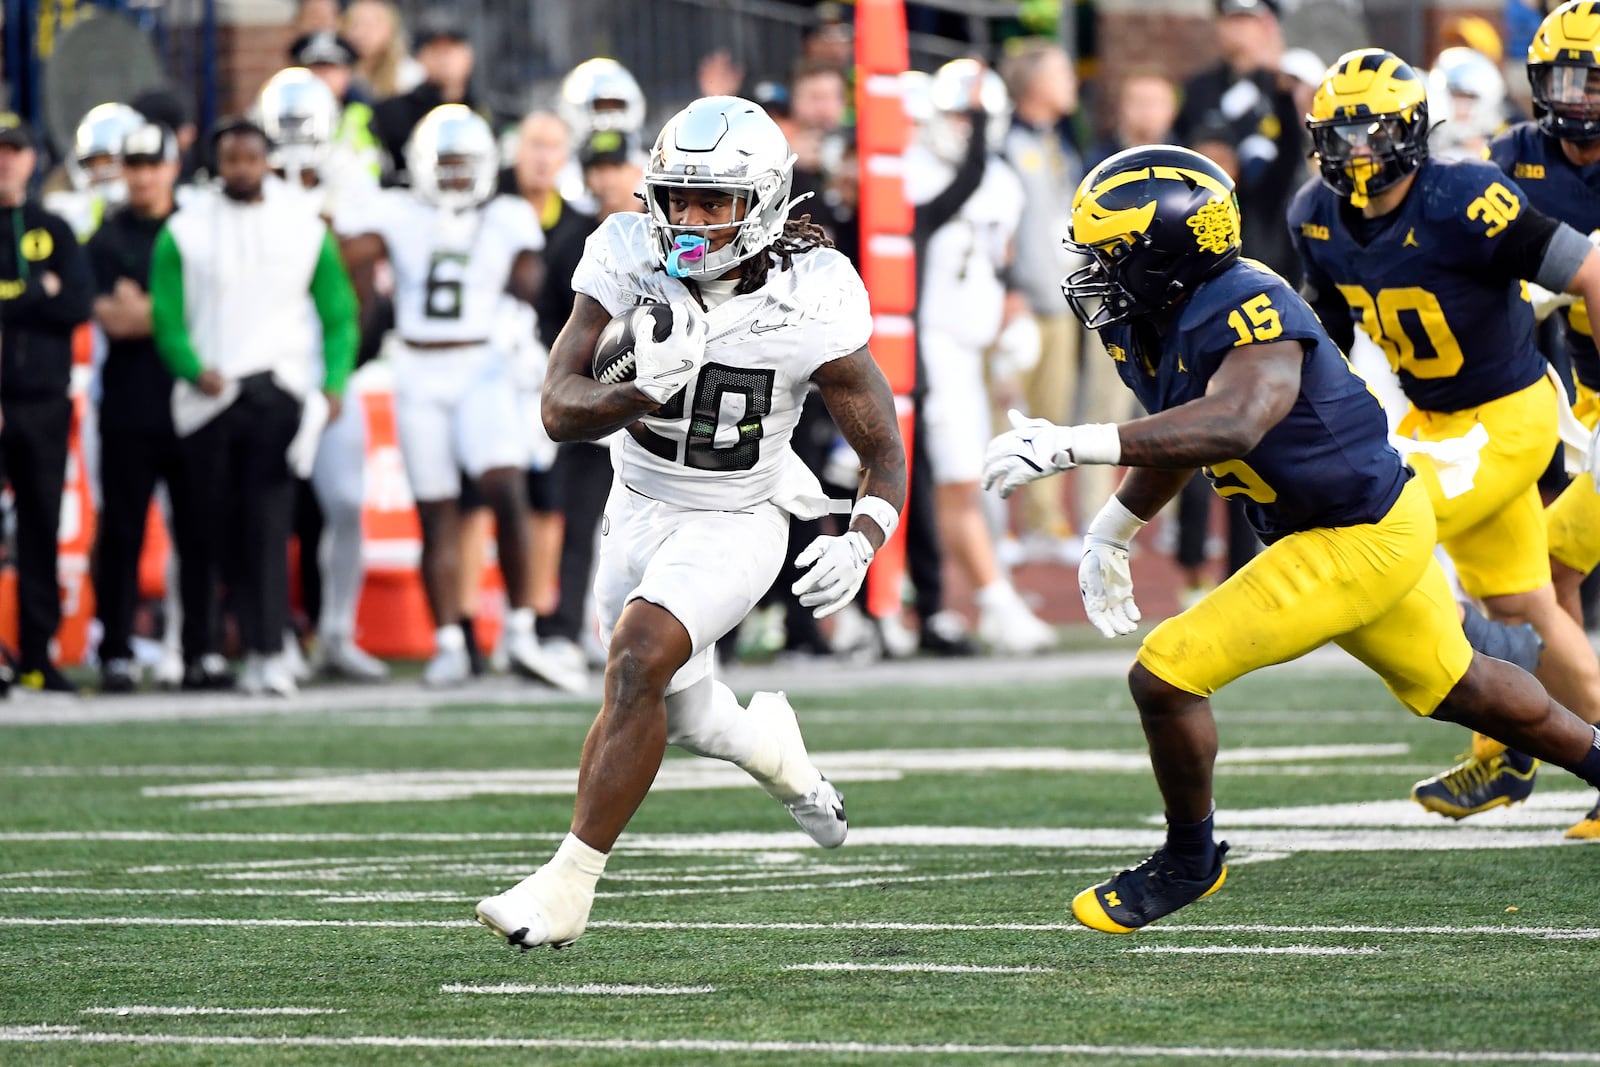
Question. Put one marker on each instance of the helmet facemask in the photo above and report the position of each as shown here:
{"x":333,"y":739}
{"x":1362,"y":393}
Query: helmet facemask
{"x":1104,"y":278}
{"x":686,"y":251}
{"x":453,"y":159}
{"x":730,"y":146}
{"x":1362,"y":157}
{"x":1566,"y":98}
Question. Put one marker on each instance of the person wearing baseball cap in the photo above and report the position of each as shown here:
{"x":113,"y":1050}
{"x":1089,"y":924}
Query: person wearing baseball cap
{"x":444,"y":49}
{"x":45,"y":291}
{"x":332,"y":59}
{"x":1246,"y":95}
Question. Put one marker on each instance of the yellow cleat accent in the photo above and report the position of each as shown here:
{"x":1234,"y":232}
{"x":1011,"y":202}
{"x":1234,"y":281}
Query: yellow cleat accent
{"x":1486,"y":748}
{"x":1087,"y":910}
{"x":1587,"y":828}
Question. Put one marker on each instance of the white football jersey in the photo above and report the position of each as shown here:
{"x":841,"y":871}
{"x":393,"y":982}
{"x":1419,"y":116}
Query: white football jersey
{"x":723,"y":443}
{"x":962,"y":295}
{"x":449,"y":268}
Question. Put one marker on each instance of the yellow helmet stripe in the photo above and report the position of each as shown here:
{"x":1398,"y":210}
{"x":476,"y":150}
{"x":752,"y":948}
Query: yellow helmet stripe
{"x":1571,"y":32}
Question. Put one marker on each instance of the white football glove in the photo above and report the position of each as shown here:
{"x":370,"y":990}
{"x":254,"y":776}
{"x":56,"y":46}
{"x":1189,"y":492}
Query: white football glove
{"x":838,"y":566}
{"x":1103,"y":575}
{"x":664,"y":367}
{"x":1107,"y":587}
{"x":1030,"y":450}
{"x":1037,"y":448}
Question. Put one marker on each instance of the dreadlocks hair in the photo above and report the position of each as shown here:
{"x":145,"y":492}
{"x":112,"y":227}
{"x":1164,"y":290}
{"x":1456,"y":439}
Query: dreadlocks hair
{"x":799,"y":235}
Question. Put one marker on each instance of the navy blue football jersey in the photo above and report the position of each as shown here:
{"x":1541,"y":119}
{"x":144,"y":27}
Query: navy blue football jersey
{"x":1563,"y":191}
{"x":1329,"y":462}
{"x":1425,"y":284}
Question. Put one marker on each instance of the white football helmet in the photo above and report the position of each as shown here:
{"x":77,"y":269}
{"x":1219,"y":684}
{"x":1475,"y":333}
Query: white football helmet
{"x":95,"y":164}
{"x":949,"y":92}
{"x":916,"y":94}
{"x":300,"y":115}
{"x":452,"y":158}
{"x":600,"y":94}
{"x":719,"y":142}
{"x":1467,"y":99}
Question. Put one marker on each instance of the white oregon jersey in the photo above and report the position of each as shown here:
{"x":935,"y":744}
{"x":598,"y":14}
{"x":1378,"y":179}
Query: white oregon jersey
{"x":962,"y":295}
{"x":449,"y":268}
{"x":722,"y":443}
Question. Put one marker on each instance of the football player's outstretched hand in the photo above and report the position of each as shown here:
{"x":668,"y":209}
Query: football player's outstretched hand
{"x":668,"y":358}
{"x":1030,"y":450}
{"x":1107,"y":587}
{"x":838,"y":566}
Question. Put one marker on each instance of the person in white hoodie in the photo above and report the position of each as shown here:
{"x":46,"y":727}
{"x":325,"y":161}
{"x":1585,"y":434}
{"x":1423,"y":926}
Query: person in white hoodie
{"x":229,"y":278}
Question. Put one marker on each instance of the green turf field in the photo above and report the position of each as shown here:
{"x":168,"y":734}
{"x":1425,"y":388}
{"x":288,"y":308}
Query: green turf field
{"x":269,"y":888}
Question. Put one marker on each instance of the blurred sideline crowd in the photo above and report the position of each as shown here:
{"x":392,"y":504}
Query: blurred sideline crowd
{"x":366,"y":216}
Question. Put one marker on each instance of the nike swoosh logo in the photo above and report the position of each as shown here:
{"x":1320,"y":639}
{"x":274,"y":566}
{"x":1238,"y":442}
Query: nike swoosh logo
{"x":687,"y":364}
{"x":768,"y":327}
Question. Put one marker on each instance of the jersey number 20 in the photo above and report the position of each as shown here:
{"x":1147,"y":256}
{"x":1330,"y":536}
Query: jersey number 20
{"x":701,"y":449}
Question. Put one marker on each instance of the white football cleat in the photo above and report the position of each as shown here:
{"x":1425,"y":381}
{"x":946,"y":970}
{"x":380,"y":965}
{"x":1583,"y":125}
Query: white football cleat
{"x":341,"y":655}
{"x":294,"y":660}
{"x":278,"y":676}
{"x":1008,"y":626}
{"x":450,"y":664}
{"x":820,"y":814}
{"x":813,"y":801}
{"x":542,"y":909}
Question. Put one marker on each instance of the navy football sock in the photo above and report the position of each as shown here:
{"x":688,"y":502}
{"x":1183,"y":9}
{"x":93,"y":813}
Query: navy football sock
{"x":1192,"y":846}
{"x":1518,"y":644}
{"x":1589,"y":767}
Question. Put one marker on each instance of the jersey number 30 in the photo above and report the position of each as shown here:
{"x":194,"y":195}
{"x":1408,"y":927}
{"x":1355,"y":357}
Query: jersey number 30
{"x":713,"y":442}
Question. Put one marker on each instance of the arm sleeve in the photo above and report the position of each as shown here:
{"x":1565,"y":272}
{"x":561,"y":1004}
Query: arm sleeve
{"x":1519,"y":252}
{"x":335,"y":299}
{"x":941,"y":209}
{"x":167,"y":325}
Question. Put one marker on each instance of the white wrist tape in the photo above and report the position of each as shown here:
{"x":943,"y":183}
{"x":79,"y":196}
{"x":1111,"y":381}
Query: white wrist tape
{"x":1115,"y":523}
{"x":879,"y":511}
{"x":1096,"y":442}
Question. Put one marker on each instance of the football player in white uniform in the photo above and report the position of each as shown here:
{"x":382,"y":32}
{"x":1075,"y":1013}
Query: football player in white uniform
{"x":95,"y":168}
{"x":960,"y":311}
{"x":454,"y":248}
{"x":696,"y":525}
{"x":598,"y":94}
{"x":301,"y":115}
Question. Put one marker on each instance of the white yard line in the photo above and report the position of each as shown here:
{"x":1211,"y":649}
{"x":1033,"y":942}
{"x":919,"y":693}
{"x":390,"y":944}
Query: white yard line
{"x":189,"y":1009}
{"x":1554,"y":933}
{"x":74,"y":1035}
{"x":919,"y":968}
{"x":592,"y":990}
{"x":1254,"y":950}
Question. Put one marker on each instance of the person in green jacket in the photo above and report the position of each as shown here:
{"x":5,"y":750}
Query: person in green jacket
{"x":240,"y":280}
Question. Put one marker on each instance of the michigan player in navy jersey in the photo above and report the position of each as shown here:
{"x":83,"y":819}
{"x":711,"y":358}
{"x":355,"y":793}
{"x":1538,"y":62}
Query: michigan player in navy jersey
{"x":1429,"y":259}
{"x":1243,"y":382}
{"x":1556,"y":161}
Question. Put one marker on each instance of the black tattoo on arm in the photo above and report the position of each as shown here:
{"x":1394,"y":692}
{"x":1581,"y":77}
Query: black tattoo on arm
{"x":862,"y":406}
{"x":573,"y":405}
{"x":1251,"y":392}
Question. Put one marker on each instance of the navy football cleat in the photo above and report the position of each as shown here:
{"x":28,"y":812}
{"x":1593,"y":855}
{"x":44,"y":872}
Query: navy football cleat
{"x":1140,"y":895}
{"x":1476,"y":785}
